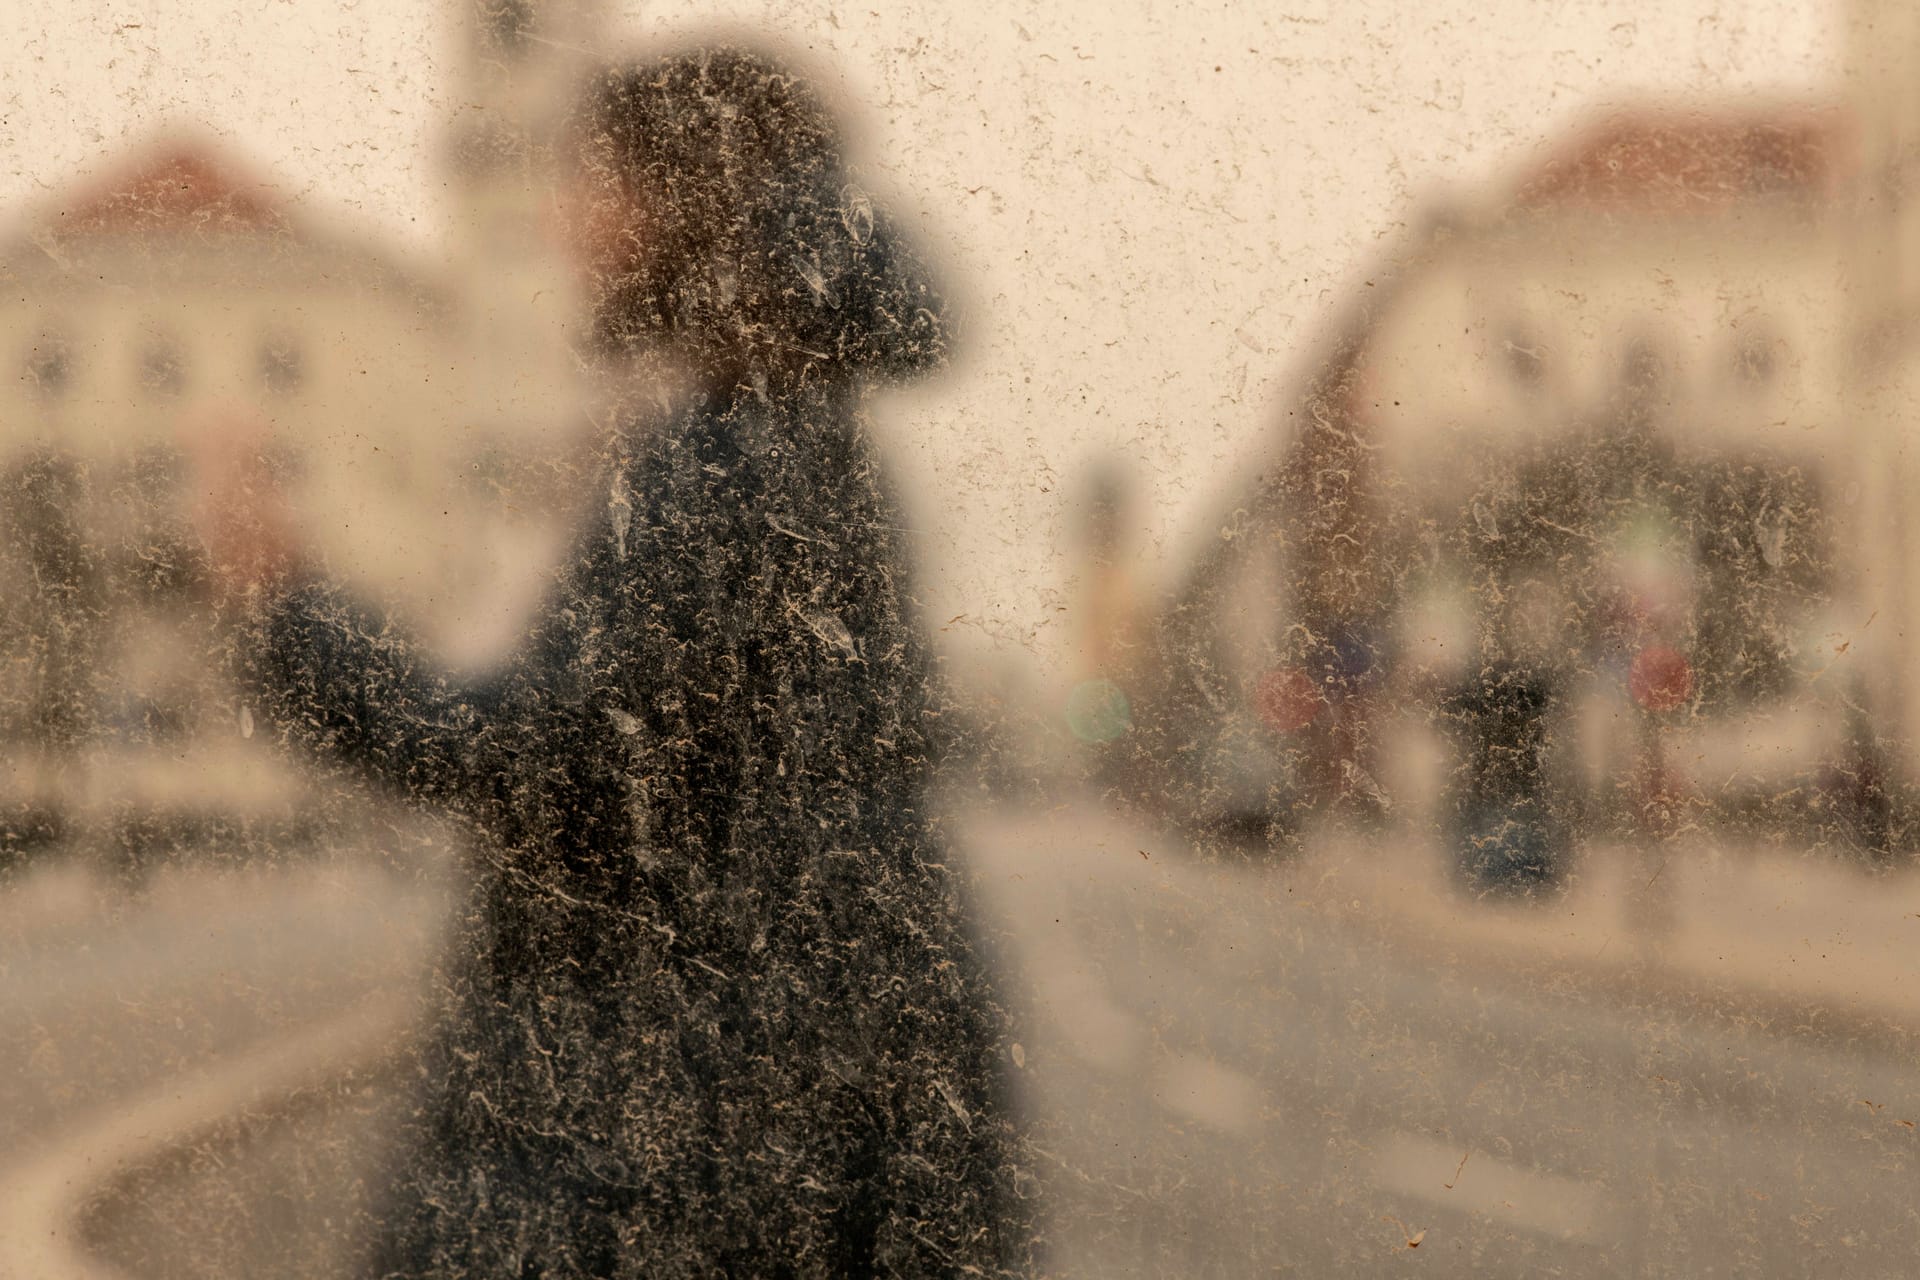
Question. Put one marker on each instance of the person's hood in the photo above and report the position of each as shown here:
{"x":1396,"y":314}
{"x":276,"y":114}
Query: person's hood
{"x":765,"y":260}
{"x":854,"y":291}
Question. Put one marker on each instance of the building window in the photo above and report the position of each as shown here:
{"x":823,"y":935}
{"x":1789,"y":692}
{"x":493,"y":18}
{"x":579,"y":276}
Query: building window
{"x":1526,"y":359}
{"x":282,"y":369}
{"x":508,"y":24}
{"x":163,"y":370}
{"x":1753,"y":360}
{"x":50,"y":366}
{"x":1645,"y":374}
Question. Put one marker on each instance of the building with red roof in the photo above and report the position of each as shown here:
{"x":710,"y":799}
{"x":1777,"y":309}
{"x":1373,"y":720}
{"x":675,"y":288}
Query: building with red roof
{"x":1687,"y":274}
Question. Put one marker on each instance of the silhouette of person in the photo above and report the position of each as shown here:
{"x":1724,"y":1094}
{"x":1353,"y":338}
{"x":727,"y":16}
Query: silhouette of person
{"x":718,"y":1012}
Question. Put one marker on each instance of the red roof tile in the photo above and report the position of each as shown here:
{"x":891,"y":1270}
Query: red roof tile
{"x":178,"y":186}
{"x":1679,"y":161}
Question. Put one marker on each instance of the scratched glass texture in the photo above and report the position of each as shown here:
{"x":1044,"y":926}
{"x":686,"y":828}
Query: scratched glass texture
{"x":1157,"y":638}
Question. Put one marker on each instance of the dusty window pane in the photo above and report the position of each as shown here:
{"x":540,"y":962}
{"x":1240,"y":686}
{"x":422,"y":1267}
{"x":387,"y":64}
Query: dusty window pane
{"x":1173,"y":639}
{"x":163,"y":368}
{"x":50,"y":366}
{"x":281,"y":367}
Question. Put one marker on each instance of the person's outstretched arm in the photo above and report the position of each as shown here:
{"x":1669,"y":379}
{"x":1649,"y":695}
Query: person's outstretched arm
{"x":334,"y":673}
{"x":339,"y":678}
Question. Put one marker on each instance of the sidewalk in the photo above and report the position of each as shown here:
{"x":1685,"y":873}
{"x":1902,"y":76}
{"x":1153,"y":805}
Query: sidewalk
{"x":1768,"y":934}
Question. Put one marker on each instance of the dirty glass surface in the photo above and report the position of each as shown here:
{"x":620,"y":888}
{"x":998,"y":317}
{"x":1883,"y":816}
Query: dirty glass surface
{"x":1165,"y":638}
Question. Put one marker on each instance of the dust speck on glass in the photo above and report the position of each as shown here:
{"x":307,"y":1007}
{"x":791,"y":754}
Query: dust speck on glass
{"x":782,"y":640}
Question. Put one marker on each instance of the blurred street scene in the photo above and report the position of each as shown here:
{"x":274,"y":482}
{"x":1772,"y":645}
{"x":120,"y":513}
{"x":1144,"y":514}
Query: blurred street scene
{"x":1338,"y":1066}
{"x":1484,"y":845}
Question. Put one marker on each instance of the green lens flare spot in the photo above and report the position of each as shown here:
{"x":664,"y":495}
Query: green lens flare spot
{"x":1097,"y":711}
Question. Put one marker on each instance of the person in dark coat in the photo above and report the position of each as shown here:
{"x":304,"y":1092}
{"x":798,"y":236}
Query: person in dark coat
{"x":718,"y":1011}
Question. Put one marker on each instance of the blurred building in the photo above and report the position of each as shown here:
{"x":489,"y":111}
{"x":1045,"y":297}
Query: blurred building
{"x":175,"y":285}
{"x":423,"y":418}
{"x":1666,"y":334}
{"x":517,"y":67}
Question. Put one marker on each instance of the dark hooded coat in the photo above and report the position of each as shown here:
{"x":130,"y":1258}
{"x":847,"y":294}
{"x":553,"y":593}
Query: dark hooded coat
{"x":716,"y":1012}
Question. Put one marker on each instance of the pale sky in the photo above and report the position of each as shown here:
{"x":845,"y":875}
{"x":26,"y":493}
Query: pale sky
{"x":1149,"y":206}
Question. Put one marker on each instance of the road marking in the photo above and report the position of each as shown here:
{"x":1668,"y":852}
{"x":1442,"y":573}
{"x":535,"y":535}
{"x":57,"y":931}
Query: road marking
{"x":1544,"y":1203}
{"x":1094,"y":1029}
{"x":1204,"y":1090}
{"x":43,"y":1197}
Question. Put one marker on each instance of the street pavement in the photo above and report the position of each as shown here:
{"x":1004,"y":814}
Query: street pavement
{"x":1332,"y":1064}
{"x":117,"y":999}
{"x":1338,"y":1065}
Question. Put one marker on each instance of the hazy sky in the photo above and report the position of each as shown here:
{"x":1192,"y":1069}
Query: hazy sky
{"x":1150,"y":204}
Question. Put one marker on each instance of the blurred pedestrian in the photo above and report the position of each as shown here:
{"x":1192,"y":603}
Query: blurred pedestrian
{"x":718,"y":1013}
